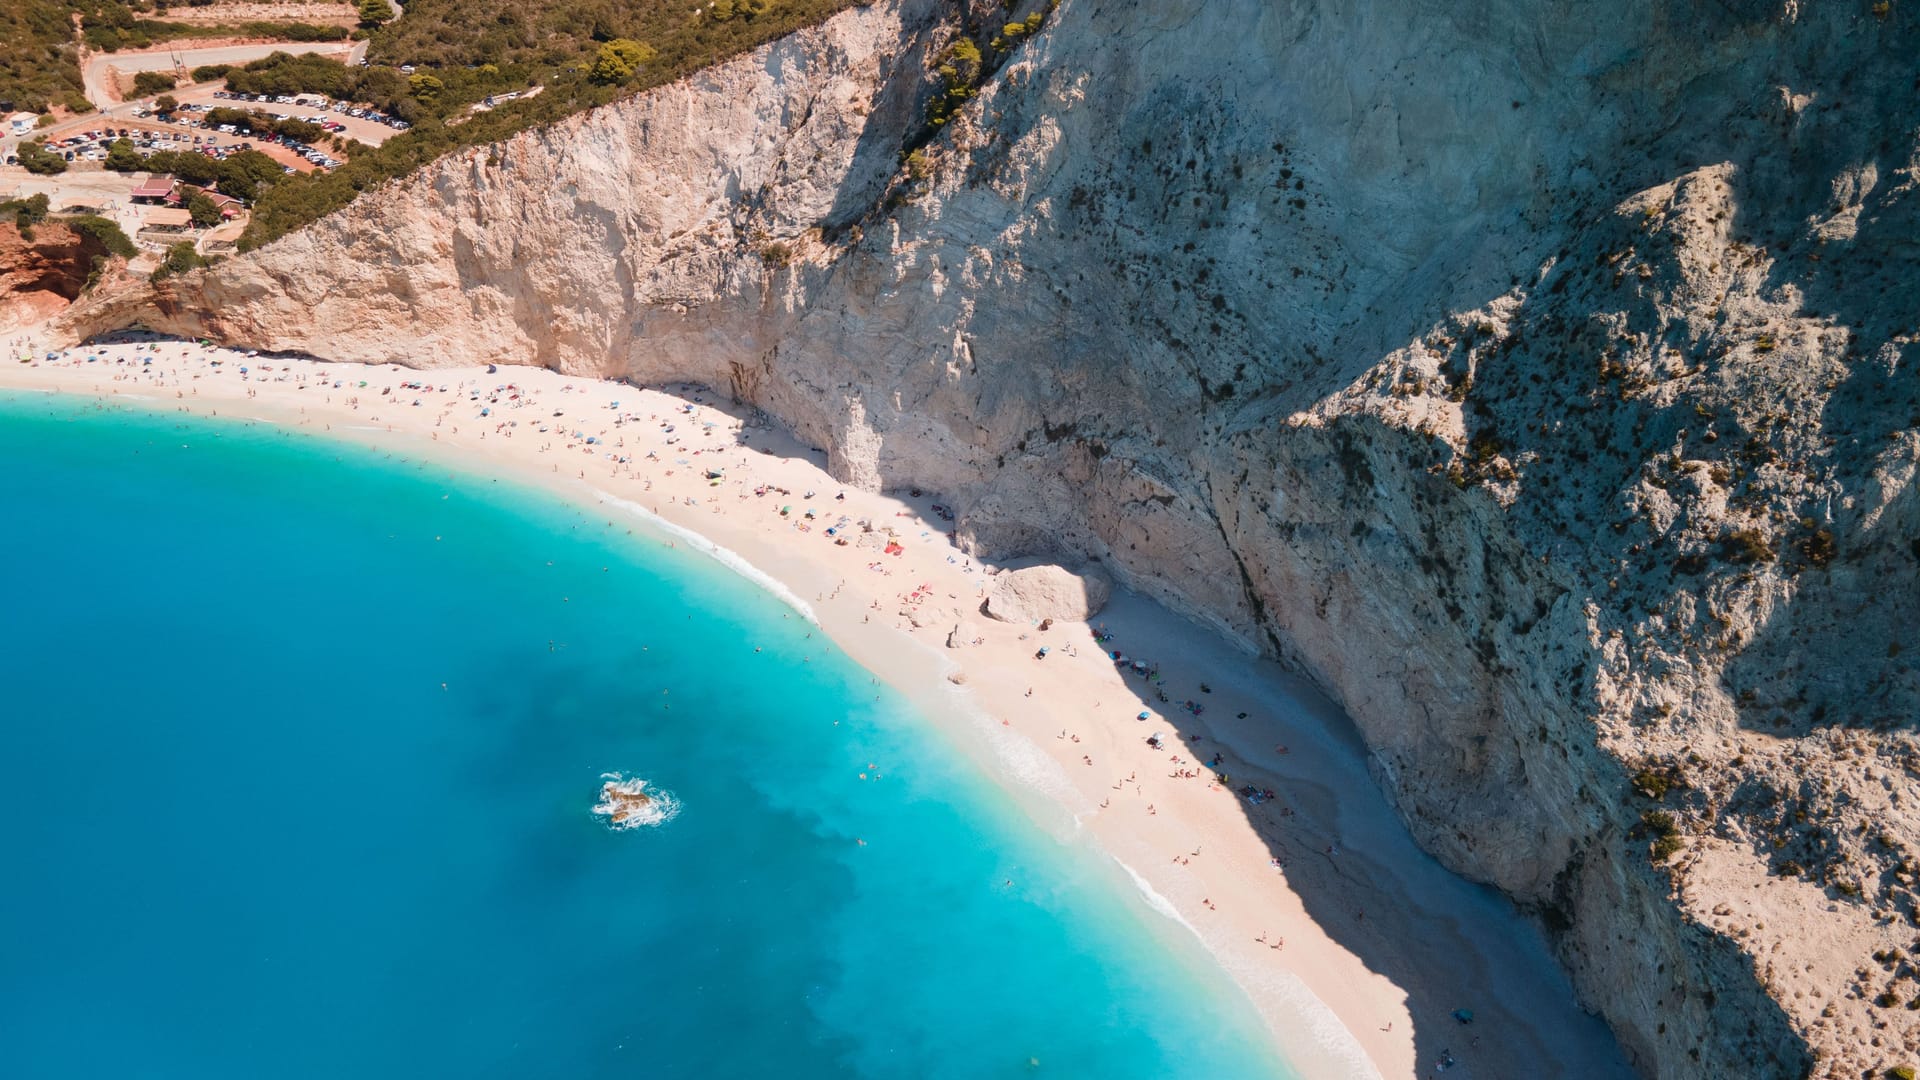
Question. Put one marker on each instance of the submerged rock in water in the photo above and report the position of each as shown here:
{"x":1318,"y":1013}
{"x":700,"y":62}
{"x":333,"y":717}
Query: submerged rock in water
{"x":627,"y":804}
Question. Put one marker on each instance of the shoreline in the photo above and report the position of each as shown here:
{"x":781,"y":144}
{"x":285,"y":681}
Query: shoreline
{"x":1369,"y":997}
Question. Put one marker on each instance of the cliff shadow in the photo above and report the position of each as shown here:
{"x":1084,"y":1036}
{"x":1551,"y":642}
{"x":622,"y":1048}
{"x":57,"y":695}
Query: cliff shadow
{"x":1840,"y":652}
{"x":895,"y":115}
{"x":1237,"y":728}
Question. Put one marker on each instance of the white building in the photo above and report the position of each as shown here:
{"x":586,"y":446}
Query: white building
{"x":21,"y":123}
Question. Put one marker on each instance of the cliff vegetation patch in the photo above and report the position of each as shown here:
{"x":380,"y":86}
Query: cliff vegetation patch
{"x":461,"y":71}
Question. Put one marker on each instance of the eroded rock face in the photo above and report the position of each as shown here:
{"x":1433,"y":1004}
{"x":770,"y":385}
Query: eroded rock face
{"x":1539,"y":376}
{"x":39,"y":277}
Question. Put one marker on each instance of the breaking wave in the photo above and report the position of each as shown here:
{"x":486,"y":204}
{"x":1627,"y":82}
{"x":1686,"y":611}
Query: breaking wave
{"x":628,"y":804}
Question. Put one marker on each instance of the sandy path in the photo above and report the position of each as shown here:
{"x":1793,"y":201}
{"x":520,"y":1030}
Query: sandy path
{"x":1381,"y":944}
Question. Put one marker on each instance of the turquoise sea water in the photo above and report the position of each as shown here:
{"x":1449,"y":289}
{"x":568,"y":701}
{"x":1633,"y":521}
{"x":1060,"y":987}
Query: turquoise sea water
{"x":246,"y":832}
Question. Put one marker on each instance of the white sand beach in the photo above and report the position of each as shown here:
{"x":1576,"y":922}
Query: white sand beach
{"x":1381,"y":944}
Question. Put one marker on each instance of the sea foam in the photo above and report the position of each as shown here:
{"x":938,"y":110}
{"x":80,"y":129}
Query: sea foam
{"x":726,"y":557}
{"x":627,"y":804}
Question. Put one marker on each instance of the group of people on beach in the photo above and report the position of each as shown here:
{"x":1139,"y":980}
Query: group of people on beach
{"x":702,"y":456}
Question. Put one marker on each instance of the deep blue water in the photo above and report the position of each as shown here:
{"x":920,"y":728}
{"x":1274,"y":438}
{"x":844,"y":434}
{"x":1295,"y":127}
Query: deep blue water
{"x":246,"y":832}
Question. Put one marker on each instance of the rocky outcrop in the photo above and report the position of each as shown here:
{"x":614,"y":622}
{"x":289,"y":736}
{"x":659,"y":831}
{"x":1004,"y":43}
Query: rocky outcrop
{"x":1033,"y":594}
{"x":43,"y":271}
{"x":1539,"y":376}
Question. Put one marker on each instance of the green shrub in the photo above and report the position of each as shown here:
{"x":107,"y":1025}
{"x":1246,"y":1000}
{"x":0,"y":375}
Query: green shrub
{"x":122,"y":157}
{"x":106,"y":231}
{"x":204,"y":211}
{"x":146,"y":83}
{"x":293,"y":31}
{"x":179,"y":259}
{"x":722,"y":10}
{"x":265,"y":123}
{"x":306,"y":73}
{"x":959,"y":71}
{"x":1900,"y":1072}
{"x":1665,"y":831}
{"x":1747,"y":546}
{"x":1652,"y":784}
{"x":1818,"y":547}
{"x":27,"y":212}
{"x":120,"y":31}
{"x":37,"y":159}
{"x":619,"y":59}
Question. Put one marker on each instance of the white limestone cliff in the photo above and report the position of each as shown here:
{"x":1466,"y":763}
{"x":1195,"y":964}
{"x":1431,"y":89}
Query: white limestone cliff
{"x":1539,"y":376}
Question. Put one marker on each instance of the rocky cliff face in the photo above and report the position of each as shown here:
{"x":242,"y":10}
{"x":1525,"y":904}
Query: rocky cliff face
{"x":43,"y":270}
{"x":1540,"y":376}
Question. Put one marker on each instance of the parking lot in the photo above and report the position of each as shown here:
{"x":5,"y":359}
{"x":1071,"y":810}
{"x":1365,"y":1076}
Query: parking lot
{"x":186,"y":132}
{"x":85,"y":139}
{"x":193,"y":116}
{"x":353,"y":121}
